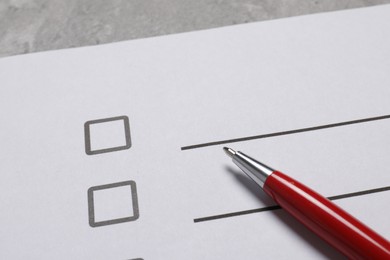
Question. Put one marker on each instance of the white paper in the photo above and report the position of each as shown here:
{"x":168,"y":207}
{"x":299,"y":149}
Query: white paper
{"x":183,"y":90}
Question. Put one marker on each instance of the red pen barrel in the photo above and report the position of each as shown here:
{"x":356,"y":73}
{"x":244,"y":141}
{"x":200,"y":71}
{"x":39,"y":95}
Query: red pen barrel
{"x":326,"y":219}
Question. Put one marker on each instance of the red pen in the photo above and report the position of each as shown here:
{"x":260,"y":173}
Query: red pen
{"x":341,"y":230}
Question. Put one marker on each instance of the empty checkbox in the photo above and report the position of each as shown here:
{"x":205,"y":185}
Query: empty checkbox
{"x":107,"y":135}
{"x":112,"y":203}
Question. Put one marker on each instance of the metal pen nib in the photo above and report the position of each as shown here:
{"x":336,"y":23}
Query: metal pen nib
{"x":229,"y":151}
{"x":257,"y":171}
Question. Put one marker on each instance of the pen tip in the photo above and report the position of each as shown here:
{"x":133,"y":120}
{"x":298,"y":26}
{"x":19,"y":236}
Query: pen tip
{"x":229,"y":151}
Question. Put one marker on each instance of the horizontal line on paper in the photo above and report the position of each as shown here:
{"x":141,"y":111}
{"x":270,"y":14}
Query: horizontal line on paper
{"x":288,"y":132}
{"x":275,"y":207}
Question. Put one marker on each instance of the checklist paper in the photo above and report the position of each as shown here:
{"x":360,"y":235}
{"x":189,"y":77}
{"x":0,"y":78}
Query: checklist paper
{"x":115,"y":151}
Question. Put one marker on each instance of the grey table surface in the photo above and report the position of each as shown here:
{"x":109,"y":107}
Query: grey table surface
{"x":38,"y":25}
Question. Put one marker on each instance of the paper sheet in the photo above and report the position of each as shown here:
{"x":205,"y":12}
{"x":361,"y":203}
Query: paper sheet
{"x":97,"y":156}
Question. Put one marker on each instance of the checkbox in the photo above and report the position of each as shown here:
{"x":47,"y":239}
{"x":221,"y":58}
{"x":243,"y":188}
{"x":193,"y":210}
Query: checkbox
{"x":112,"y":204}
{"x":107,"y":135}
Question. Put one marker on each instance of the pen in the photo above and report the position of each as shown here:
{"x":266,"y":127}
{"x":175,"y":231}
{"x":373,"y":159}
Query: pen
{"x":341,"y":230}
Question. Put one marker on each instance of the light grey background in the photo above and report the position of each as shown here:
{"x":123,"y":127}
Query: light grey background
{"x":40,"y":25}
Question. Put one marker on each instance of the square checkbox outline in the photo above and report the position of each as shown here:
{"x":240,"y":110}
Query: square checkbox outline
{"x":87,"y":135}
{"x":91,"y":206}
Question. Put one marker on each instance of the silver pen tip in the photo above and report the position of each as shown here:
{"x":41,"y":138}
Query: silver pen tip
{"x":229,"y":151}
